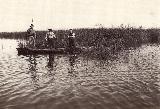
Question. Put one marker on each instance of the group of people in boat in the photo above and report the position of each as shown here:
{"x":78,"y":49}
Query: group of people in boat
{"x":50,"y":37}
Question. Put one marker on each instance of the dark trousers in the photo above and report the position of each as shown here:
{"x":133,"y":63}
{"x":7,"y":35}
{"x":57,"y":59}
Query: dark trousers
{"x":71,"y":45}
{"x":52,"y":42}
{"x":71,"y":42}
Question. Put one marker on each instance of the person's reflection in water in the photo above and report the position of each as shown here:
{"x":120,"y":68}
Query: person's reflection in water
{"x":32,"y":63}
{"x":50,"y":61}
{"x":71,"y":70}
{"x":33,"y":70}
{"x":51,"y":64}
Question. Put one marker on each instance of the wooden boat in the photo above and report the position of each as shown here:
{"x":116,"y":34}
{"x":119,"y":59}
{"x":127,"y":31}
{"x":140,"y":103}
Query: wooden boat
{"x":26,"y":51}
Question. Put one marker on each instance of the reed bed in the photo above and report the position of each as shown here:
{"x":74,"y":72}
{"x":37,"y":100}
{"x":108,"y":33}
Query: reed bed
{"x":99,"y":42}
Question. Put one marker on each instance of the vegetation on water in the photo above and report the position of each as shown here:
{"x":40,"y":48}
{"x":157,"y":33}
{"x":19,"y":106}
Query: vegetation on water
{"x":103,"y":41}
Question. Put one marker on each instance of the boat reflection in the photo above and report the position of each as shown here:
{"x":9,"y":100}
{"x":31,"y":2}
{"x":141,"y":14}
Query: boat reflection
{"x":36,"y":64}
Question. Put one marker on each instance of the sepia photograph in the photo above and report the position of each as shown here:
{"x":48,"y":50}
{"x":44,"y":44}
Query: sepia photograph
{"x":79,"y":54}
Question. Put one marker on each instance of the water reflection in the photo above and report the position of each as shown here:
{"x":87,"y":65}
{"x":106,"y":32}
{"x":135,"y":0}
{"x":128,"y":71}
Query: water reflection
{"x":32,"y":63}
{"x":50,"y":61}
{"x":131,"y":81}
{"x":72,"y":65}
{"x":32,"y":70}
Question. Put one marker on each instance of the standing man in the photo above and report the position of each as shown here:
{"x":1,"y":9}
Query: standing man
{"x":71,"y":39}
{"x":51,"y":38}
{"x":31,"y":36}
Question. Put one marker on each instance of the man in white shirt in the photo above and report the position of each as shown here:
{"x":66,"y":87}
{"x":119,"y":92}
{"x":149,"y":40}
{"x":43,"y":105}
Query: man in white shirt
{"x":71,"y":39}
{"x":50,"y":38}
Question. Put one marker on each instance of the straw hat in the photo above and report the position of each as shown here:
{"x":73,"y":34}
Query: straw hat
{"x":50,"y":29}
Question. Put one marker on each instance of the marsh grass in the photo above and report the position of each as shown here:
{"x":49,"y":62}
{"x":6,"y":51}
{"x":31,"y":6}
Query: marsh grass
{"x":98,"y":42}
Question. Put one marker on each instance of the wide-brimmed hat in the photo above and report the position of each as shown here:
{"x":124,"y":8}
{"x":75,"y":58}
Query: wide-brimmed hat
{"x":50,"y":29}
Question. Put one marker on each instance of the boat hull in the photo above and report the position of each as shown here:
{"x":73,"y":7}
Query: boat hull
{"x":26,"y":51}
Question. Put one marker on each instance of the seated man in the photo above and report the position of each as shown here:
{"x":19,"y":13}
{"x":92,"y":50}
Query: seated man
{"x":51,"y":38}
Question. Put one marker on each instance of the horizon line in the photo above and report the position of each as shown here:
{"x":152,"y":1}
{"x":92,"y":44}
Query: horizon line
{"x":96,"y":27}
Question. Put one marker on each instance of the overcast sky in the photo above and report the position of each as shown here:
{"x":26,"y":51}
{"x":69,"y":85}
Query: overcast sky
{"x":16,"y":15}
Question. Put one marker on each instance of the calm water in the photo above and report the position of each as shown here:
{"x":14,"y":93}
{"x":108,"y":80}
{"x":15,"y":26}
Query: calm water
{"x":130,"y":81}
